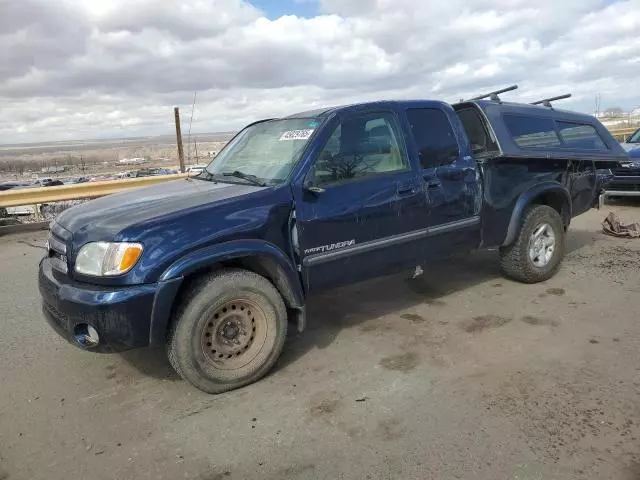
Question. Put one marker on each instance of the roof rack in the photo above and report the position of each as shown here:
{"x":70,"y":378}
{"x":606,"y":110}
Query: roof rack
{"x":494,"y":95}
{"x":547,"y":101}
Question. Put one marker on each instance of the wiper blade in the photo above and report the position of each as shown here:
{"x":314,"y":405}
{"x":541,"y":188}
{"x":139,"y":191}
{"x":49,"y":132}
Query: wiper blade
{"x":204,"y":175}
{"x":245,"y":176}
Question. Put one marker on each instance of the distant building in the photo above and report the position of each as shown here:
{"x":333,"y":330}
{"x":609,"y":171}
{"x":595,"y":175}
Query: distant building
{"x":617,"y":118}
{"x":613,"y":112}
{"x":54,"y":169}
{"x":132,"y":161}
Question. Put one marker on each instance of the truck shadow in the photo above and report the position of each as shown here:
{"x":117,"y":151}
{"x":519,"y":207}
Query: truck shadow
{"x":346,"y":307}
{"x":152,"y":362}
{"x":577,"y":239}
{"x":331,"y":312}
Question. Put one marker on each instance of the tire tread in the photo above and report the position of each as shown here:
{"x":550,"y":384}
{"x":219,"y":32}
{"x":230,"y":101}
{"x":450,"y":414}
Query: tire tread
{"x":514,"y":260}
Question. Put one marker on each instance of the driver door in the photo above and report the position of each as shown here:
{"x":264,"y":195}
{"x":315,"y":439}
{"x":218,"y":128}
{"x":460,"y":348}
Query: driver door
{"x":370,"y":198}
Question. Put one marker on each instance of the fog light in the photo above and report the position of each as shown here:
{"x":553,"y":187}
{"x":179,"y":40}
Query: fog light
{"x":86,"y":336}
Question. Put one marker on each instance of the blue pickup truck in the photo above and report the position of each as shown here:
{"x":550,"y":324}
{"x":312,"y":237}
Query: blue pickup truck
{"x":216,"y":266}
{"x":625,"y":180}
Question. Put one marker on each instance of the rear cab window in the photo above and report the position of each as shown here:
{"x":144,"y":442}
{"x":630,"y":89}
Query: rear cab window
{"x":481,"y":141}
{"x":434,"y":138}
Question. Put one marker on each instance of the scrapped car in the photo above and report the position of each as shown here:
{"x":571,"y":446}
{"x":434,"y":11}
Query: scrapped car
{"x":216,"y":266}
{"x":11,"y":185}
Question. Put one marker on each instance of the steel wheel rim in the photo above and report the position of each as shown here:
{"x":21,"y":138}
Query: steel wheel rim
{"x":542,"y":245}
{"x":233,"y":334}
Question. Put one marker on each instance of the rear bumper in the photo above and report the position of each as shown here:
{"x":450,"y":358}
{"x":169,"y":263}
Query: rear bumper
{"x":121,"y":315}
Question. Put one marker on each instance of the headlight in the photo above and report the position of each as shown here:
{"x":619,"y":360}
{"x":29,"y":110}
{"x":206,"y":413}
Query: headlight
{"x":105,"y":259}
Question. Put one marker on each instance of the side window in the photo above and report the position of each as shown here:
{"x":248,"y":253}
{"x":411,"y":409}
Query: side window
{"x":580,"y":136}
{"x":479,"y":138}
{"x":360,"y":147}
{"x":532,"y":132}
{"x":434,"y":137}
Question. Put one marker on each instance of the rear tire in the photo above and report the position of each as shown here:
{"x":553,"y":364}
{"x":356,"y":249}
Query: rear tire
{"x":228,"y":332}
{"x":538,"y":250}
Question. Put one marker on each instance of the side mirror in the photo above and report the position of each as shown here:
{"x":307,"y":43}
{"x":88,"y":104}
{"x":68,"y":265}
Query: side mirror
{"x":309,"y":186}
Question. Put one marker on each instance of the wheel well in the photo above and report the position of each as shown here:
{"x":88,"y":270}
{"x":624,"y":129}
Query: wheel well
{"x":558,"y":202}
{"x":261,"y":265}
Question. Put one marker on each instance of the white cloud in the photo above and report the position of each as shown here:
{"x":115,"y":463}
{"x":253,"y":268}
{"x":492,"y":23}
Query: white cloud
{"x":81,"y":69}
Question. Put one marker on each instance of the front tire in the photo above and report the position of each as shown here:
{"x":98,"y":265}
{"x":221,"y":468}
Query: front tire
{"x":538,"y":250}
{"x":228,"y":332}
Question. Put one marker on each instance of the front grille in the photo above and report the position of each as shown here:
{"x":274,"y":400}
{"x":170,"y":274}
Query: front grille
{"x":627,"y":172}
{"x":623,"y":187}
{"x":57,"y":245}
{"x":58,"y":252}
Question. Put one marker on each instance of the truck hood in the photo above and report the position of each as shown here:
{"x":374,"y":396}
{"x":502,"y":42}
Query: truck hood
{"x":105,"y":217}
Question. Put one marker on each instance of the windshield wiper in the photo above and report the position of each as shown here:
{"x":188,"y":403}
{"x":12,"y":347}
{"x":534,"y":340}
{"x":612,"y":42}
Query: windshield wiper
{"x":204,"y":175}
{"x":245,"y":176}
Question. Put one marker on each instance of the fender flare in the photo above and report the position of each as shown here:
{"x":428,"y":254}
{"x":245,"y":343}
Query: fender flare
{"x":269,"y":258}
{"x":527,"y":198}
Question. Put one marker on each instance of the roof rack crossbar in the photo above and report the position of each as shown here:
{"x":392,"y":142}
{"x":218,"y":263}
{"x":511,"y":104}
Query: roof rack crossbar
{"x":494,"y":95}
{"x":547,"y":101}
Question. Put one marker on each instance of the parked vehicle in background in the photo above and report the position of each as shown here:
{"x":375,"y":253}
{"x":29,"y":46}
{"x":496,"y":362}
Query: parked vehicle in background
{"x":22,"y":210}
{"x":216,"y":265}
{"x":625,"y":181}
{"x":633,"y":142}
{"x":150,"y":172}
{"x":76,"y":180}
{"x":10,"y":185}
{"x":40,"y":182}
{"x":52,"y":183}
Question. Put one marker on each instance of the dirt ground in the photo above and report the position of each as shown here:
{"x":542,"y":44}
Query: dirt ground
{"x":459,"y":374}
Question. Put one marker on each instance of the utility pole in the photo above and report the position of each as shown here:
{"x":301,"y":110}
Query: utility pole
{"x":176,"y":111}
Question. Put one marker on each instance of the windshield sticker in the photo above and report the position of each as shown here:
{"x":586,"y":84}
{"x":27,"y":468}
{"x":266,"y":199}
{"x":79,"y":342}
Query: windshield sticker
{"x":296,"y":135}
{"x":313,"y":124}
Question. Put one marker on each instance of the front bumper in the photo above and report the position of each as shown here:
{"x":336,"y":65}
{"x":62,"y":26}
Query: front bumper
{"x":624,"y":183}
{"x":121,"y":315}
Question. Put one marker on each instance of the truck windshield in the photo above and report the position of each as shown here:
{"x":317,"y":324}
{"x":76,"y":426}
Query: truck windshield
{"x":635,"y":138}
{"x":265,"y":152}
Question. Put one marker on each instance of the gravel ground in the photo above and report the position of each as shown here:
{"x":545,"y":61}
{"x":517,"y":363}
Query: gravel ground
{"x":457,"y":374}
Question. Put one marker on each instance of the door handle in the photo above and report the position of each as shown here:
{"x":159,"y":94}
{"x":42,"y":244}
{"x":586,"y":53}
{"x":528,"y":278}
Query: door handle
{"x":432,"y":182}
{"x":406,"y":189}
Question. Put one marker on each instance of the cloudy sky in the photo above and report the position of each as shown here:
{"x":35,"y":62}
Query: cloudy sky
{"x":76,"y":69}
